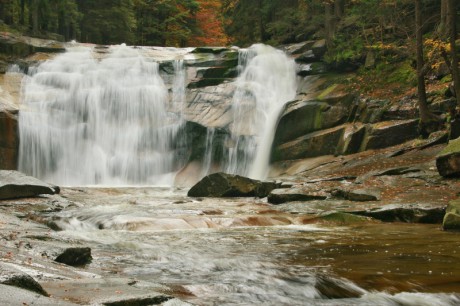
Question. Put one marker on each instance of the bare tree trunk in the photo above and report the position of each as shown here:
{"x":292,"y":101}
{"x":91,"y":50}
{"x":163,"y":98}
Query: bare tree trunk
{"x":444,"y":23}
{"x":329,"y":22}
{"x":34,"y":15}
{"x":421,"y":90}
{"x":339,"y":8}
{"x":453,"y":49}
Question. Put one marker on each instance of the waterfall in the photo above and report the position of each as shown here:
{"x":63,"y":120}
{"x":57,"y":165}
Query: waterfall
{"x":105,"y":116}
{"x":266,"y":82}
{"x":102,"y":121}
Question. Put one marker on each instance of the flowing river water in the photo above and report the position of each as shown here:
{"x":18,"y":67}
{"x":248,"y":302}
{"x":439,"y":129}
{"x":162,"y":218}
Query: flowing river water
{"x":245,"y":252}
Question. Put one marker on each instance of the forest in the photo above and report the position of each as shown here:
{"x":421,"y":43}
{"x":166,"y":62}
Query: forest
{"x":390,"y":36}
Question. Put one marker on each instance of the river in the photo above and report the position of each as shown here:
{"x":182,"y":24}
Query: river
{"x":247,"y":252}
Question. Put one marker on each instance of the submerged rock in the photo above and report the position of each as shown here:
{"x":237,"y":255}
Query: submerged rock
{"x":448,"y":160}
{"x":451,"y":219}
{"x":279,"y":196}
{"x":228,"y":185}
{"x":403,"y":213}
{"x":14,"y":184}
{"x":75,"y":257}
{"x":330,"y":288}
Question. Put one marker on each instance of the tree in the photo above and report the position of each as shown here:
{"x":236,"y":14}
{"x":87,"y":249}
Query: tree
{"x":428,"y":120}
{"x":453,"y":48}
{"x":209,"y":24}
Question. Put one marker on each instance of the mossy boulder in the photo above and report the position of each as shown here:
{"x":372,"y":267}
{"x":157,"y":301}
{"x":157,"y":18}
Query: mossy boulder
{"x":451,"y":219}
{"x":448,"y":160}
{"x":302,"y":117}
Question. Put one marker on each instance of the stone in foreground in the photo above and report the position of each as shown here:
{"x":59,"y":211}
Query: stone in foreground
{"x":15,"y":278}
{"x":228,"y":185}
{"x":451,"y":219}
{"x":448,"y":160}
{"x":75,"y":257}
{"x":14,"y":184}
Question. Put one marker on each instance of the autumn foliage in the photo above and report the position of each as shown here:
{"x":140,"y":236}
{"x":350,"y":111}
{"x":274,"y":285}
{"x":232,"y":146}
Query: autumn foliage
{"x":210,"y":25}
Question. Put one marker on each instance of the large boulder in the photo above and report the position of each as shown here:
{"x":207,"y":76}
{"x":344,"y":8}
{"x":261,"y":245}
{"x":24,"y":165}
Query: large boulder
{"x":228,"y":185}
{"x":390,"y":133}
{"x":311,"y":145}
{"x":451,"y":219}
{"x":448,"y":160}
{"x":14,"y":184}
{"x":302,"y":117}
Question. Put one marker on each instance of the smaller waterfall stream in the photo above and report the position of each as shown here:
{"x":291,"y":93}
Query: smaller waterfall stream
{"x":266,"y":83}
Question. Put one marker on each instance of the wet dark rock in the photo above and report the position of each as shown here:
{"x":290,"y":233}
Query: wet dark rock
{"x":451,"y":220}
{"x":19,"y":279}
{"x":75,"y":257}
{"x":448,"y":160}
{"x":213,"y":50}
{"x":279,"y":196}
{"x":14,"y":184}
{"x":9,"y":140}
{"x":141,"y":301}
{"x":330,"y":288}
{"x":406,"y":213}
{"x":358,"y":195}
{"x":228,"y":185}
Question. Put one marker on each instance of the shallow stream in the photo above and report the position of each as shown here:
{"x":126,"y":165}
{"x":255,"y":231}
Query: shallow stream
{"x":246,"y":252}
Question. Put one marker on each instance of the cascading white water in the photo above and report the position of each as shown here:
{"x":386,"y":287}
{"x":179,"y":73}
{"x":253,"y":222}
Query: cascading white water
{"x":106,"y":117}
{"x":266,"y":83}
{"x":87,"y":121}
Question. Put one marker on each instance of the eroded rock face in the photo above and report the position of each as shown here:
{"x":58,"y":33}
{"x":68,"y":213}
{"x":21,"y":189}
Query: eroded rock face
{"x":228,"y":185}
{"x":14,"y":184}
{"x":307,"y":193}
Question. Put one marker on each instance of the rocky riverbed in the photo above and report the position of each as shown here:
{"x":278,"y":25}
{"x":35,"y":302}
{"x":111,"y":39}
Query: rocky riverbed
{"x":364,"y":228}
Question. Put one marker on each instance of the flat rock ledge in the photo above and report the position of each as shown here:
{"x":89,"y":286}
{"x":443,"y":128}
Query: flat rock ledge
{"x":14,"y":184}
{"x":228,"y":185}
